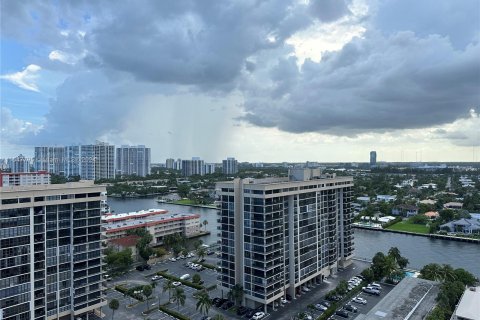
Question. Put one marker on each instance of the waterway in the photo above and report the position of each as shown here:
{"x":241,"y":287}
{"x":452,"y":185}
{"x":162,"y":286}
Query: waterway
{"x":419,"y":250}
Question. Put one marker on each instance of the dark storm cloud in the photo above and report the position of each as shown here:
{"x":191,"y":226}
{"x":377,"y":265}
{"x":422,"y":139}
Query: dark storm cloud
{"x":373,"y":84}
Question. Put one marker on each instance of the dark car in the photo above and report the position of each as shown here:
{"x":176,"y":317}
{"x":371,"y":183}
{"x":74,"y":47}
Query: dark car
{"x":227,"y":305}
{"x":360,"y":277}
{"x":242,"y":310}
{"x":250,"y":313}
{"x":140,"y":268}
{"x":215,"y":301}
{"x":146,"y":267}
{"x":342,"y":313}
{"x":221,"y":302}
{"x":288,"y":297}
{"x":350,"y":308}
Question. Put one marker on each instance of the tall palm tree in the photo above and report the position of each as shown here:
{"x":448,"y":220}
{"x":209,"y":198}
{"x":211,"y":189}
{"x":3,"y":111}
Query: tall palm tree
{"x":448,"y":273}
{"x":114,"y":305}
{"x":390,"y":266}
{"x":147,"y":292}
{"x":168,"y":286}
{"x":236,"y":293}
{"x":432,"y":271}
{"x":201,"y":252}
{"x":179,"y":297}
{"x":205,"y":222}
{"x":203,"y":302}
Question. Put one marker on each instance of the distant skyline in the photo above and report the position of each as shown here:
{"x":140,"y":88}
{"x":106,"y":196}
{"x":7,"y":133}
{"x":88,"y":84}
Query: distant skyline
{"x":275,"y":81}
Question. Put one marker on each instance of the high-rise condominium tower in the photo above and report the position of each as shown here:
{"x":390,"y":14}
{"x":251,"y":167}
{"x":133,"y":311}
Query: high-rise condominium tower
{"x":133,"y":160}
{"x":229,"y":166}
{"x":280,"y":234}
{"x":50,"y":251}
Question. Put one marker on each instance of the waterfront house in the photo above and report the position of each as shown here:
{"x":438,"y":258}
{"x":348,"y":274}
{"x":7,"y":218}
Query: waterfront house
{"x":467,"y":226}
{"x":386,"y":198}
{"x":432,"y":215}
{"x":129,"y":241}
{"x":405,"y":210}
{"x":453,"y":205}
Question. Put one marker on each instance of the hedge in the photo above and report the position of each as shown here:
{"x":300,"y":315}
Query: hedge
{"x":207,"y":265}
{"x":331,"y":310}
{"x":129,"y":292}
{"x":173,"y":313}
{"x":390,"y":223}
{"x":185,"y":282}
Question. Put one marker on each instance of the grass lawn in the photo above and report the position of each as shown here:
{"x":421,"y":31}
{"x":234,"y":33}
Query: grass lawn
{"x":185,"y":201}
{"x":407,"y":226}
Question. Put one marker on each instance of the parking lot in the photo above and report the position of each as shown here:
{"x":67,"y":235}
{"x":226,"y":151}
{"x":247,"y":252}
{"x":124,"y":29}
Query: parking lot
{"x":179,"y":268}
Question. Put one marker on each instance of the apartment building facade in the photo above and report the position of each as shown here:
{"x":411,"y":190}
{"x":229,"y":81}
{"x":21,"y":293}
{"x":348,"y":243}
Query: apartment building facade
{"x":279,"y":234}
{"x":24,"y":178}
{"x":230,"y":166}
{"x":50,"y":251}
{"x":133,"y":160}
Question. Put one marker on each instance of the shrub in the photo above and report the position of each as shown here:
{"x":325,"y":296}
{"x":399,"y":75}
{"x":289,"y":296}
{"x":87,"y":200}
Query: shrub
{"x":185,"y":282}
{"x":173,"y":313}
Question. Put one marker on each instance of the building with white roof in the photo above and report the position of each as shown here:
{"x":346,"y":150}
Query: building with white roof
{"x":469,"y":306}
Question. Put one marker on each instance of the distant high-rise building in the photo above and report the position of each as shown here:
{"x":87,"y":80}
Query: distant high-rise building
{"x":50,"y":251}
{"x":193,"y":167}
{"x":373,"y":158}
{"x":281,"y":234}
{"x":133,"y":160}
{"x":230,"y":166}
{"x":105,"y":161}
{"x":178,"y":164}
{"x":209,"y":168}
{"x":51,"y":159}
{"x":170,"y":163}
{"x":20,"y":164}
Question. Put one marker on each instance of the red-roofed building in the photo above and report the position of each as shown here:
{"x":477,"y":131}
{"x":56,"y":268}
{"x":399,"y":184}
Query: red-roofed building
{"x":130,"y":241}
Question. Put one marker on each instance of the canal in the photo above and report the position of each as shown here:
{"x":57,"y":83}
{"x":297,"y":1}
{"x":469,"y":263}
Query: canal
{"x":419,"y":250}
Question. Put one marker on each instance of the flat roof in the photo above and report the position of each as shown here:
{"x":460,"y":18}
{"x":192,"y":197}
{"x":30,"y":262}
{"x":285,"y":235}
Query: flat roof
{"x":62,"y":186}
{"x":469,"y":306}
{"x":411,"y":299}
{"x":147,"y":222}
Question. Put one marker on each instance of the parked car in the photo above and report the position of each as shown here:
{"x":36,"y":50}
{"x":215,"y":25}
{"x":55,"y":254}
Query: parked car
{"x":283,"y":300}
{"x":242,"y":310}
{"x":210,"y":252}
{"x":227,"y":305}
{"x":258,"y":315}
{"x":172,"y":259}
{"x":176,"y":284}
{"x":215,"y":301}
{"x":342,"y":313}
{"x":185,"y":276}
{"x":206,"y":318}
{"x":350,"y":308}
{"x":305,"y":289}
{"x":156,"y":277}
{"x":359,"y":300}
{"x":140,"y":268}
{"x":288,"y":297}
{"x":250,"y":313}
{"x":220,"y":302}
{"x":326,"y":304}
{"x":369,"y":290}
{"x":375,"y":285}
{"x":360,"y":277}
{"x":320,"y":307}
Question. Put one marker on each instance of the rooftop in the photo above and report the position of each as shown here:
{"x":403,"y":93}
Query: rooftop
{"x":128,"y":241}
{"x":41,"y":187}
{"x":469,"y":306}
{"x":147,"y":222}
{"x":411,"y":299}
{"x":132,"y":215}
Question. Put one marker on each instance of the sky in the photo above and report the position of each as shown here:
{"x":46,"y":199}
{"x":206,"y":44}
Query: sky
{"x":263,"y":81}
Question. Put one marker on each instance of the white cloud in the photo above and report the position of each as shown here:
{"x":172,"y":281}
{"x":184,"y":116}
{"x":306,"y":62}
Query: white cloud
{"x":13,"y":128}
{"x":26,"y":78}
{"x":64,"y":57}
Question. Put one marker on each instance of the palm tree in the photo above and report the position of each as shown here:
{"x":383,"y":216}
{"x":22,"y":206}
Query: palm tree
{"x":147,"y":292}
{"x":114,"y":305}
{"x":448,"y":273}
{"x":203,"y":302}
{"x":205,"y":222}
{"x":390,"y":266}
{"x":179,"y":297}
{"x":168,"y":286}
{"x":236,"y":293}
{"x":432,"y":271}
{"x":201,"y":252}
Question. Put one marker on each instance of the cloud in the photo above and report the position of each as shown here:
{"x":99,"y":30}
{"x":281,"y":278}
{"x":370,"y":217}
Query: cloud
{"x":12,"y":128}
{"x":64,"y":57}
{"x":25,"y":79}
{"x":463,"y":132}
{"x":375,"y":84}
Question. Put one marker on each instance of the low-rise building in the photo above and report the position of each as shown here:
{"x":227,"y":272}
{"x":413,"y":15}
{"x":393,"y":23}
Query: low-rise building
{"x":386,"y":198}
{"x":158,"y":225}
{"x":429,"y":202}
{"x":432,"y":214}
{"x":412,"y":298}
{"x":464,"y":225}
{"x":405,"y":210}
{"x":24,"y":178}
{"x":453,"y":205}
{"x":363,"y":199}
{"x":469,"y":306}
{"x":127,"y":242}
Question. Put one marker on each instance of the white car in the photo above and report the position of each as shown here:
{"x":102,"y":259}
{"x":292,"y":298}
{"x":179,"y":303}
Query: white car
{"x":359,"y":300}
{"x":172,"y":259}
{"x":320,"y":307}
{"x":258,"y":315}
{"x":375,"y":285}
{"x":176,"y":284}
{"x":283,"y":301}
{"x":305,"y":289}
{"x":156,"y":277}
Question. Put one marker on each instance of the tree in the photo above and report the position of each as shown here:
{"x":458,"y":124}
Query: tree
{"x":197,"y":244}
{"x":465,"y":277}
{"x":218,"y":317}
{"x":395,"y":253}
{"x":179,"y":297}
{"x":431,"y":271}
{"x":168,"y":286}
{"x":196,"y":278}
{"x":236,"y":293}
{"x":203,"y":302}
{"x":438,"y":313}
{"x":368,"y":275}
{"x":447,"y":273}
{"x":450,"y":293}
{"x":114,"y":305}
{"x":205,"y":222}
{"x":342,"y":287}
{"x":378,"y":263}
{"x":183,"y":190}
{"x":119,"y":261}
{"x":201,"y":252}
{"x":147,"y":292}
